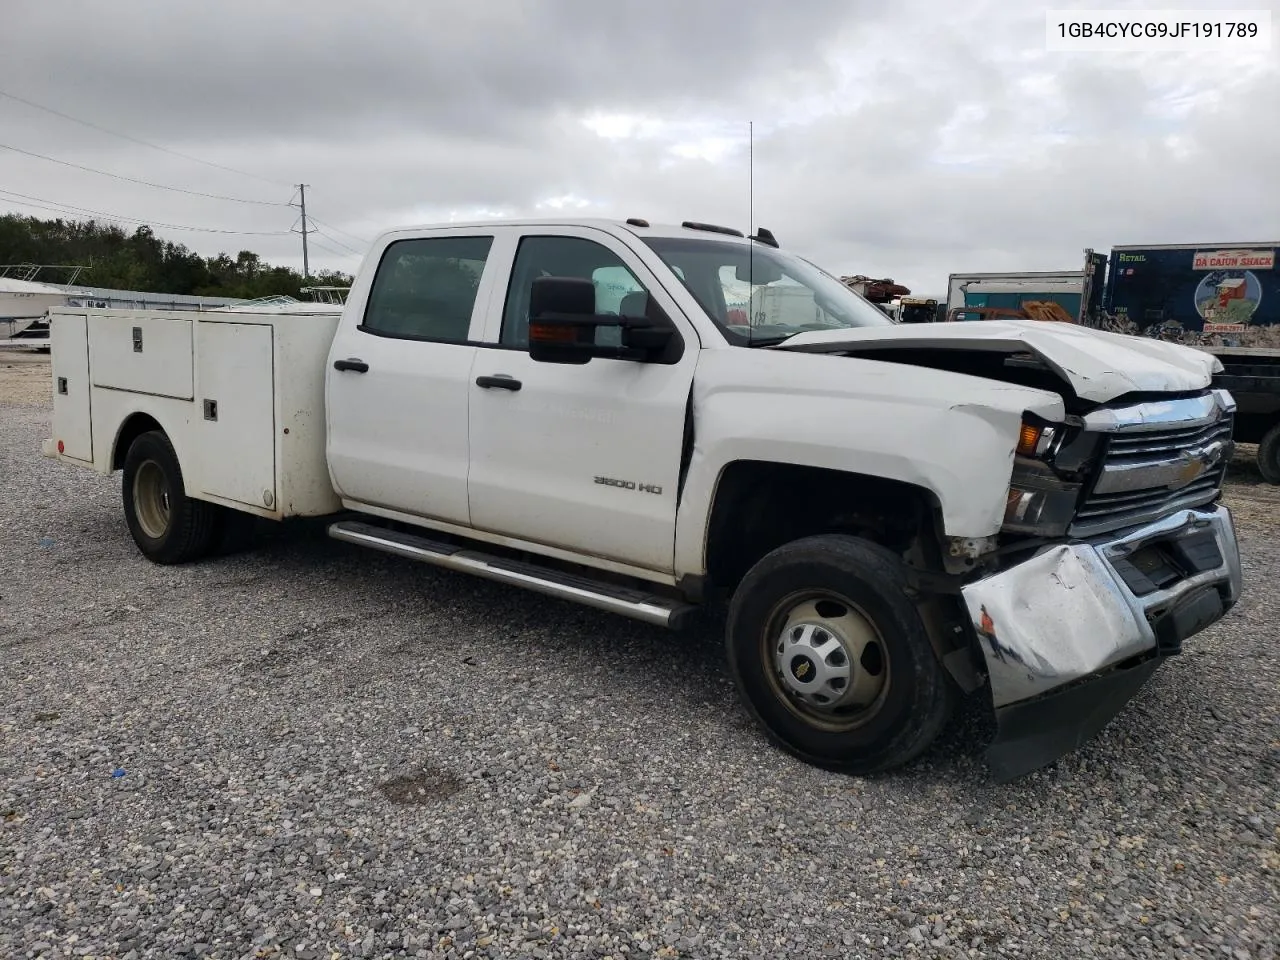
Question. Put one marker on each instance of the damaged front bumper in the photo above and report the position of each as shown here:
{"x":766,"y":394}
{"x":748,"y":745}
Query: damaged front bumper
{"x":1071,"y":634}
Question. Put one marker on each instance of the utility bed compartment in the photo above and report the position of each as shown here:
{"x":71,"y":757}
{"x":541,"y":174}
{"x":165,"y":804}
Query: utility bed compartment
{"x":71,"y":407}
{"x":154,"y":357}
{"x":240,"y":396}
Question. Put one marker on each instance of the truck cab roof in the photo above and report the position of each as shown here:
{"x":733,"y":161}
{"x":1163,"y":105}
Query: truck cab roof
{"x":633,"y":226}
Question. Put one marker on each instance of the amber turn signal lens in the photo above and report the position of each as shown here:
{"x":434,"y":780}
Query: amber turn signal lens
{"x":552,"y":333}
{"x":1028,"y":440}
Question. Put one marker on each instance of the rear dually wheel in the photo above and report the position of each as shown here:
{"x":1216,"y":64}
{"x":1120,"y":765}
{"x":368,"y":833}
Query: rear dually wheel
{"x":167,"y":525}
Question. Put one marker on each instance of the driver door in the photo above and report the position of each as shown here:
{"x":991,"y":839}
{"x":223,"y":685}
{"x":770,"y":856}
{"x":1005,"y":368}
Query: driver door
{"x":580,"y":457}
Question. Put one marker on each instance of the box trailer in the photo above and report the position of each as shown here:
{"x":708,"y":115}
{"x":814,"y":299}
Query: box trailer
{"x":1228,"y":290}
{"x":1220,"y":297}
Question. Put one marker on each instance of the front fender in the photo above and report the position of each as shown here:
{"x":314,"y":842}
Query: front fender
{"x":951,"y":434}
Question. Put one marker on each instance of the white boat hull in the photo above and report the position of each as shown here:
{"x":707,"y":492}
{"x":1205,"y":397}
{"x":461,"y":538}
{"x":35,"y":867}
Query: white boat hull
{"x":18,"y":311}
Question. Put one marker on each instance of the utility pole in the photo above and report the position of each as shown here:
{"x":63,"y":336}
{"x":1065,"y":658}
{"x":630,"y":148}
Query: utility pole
{"x":302,"y":195}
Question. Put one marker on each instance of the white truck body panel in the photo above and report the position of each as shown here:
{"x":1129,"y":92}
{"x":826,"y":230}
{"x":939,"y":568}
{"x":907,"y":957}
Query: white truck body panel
{"x":245,"y":395}
{"x":144,"y":353}
{"x":72,"y":400}
{"x":398,"y":438}
{"x":548,"y":462}
{"x":398,"y":434}
{"x":547,"y":465}
{"x":413,"y":439}
{"x":946,"y":433}
{"x":1099,"y":365}
{"x":265,"y":451}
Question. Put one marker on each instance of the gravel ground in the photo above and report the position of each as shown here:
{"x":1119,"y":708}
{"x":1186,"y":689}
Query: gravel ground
{"x":25,"y":379}
{"x":314,"y":751}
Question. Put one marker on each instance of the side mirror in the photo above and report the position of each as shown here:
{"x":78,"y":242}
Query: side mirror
{"x":563,"y":323}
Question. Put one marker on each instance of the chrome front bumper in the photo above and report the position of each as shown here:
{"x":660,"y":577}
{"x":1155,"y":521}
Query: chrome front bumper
{"x":1074,"y":610}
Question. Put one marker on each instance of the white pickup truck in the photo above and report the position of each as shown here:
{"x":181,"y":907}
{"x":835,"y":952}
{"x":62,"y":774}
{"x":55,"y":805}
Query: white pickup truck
{"x":603,"y":411}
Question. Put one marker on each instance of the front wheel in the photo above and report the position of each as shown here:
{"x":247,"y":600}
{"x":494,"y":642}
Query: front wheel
{"x":166,"y":524}
{"x":832,"y":658}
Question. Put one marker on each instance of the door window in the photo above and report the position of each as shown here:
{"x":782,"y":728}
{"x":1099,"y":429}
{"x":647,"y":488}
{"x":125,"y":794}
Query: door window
{"x":618,"y":291}
{"x":425,"y":289}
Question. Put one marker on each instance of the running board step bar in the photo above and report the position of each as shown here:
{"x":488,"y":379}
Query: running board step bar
{"x":637,"y":604}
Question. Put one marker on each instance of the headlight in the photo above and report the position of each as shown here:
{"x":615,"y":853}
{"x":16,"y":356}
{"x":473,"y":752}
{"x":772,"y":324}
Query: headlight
{"x":1039,"y":501}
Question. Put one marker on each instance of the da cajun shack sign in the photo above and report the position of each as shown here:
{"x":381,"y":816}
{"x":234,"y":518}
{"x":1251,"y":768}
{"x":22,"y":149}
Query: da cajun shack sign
{"x":1234,"y":260}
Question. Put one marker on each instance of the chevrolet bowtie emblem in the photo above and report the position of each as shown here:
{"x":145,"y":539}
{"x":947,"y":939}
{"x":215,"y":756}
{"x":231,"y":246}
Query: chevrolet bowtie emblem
{"x":1196,"y":462}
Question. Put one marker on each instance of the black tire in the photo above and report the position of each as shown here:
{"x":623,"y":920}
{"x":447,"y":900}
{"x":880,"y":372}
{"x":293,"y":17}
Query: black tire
{"x":915,"y":699}
{"x":181,"y":530}
{"x":1269,"y":455}
{"x":235,"y":531}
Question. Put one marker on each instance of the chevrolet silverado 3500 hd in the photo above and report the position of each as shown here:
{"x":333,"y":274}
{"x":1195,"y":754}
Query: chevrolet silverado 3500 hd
{"x":645,"y":419}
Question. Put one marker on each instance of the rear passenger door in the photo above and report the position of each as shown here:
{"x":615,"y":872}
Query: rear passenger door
{"x":399,"y":375}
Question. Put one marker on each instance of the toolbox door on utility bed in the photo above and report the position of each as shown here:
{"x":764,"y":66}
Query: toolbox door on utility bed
{"x":235,"y":420}
{"x":72,"y":413}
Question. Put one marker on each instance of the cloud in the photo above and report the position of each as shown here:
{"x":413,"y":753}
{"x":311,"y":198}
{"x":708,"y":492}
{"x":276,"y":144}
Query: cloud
{"x":909,"y":140}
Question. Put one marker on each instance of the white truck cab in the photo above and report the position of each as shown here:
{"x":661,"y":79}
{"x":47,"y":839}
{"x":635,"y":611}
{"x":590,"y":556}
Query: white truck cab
{"x":649,"y":419}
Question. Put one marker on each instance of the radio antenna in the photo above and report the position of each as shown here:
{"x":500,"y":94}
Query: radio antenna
{"x":751,"y":253}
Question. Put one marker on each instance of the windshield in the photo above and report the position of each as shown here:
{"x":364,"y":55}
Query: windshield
{"x":759,"y":295}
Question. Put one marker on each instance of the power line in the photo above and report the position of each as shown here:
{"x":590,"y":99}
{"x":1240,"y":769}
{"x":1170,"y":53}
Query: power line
{"x":341,"y":256}
{"x":335,"y":241}
{"x":145,"y":183}
{"x":313,"y":219}
{"x":145,"y":143}
{"x":55,"y":207}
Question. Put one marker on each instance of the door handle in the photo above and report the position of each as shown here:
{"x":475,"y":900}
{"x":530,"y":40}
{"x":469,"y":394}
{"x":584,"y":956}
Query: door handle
{"x":502,"y":383}
{"x":359,"y":366}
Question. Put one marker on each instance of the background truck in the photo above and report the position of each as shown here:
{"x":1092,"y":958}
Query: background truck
{"x":892,"y":298}
{"x":917,"y":310}
{"x":1068,"y":296}
{"x":1221,"y":298}
{"x":893,"y":514}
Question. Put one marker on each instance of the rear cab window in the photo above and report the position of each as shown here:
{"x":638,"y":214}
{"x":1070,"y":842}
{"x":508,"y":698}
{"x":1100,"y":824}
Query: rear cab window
{"x":426,"y":288}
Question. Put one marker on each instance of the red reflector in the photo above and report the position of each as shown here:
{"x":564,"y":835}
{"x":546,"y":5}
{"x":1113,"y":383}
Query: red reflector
{"x":552,"y":333}
{"x":61,"y":448}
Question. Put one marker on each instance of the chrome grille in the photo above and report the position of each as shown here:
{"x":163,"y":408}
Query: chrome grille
{"x":1147,"y":470}
{"x":1159,"y":444}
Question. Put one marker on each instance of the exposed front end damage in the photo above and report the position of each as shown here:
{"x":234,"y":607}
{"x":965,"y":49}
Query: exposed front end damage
{"x":1069,"y":635}
{"x":1140,"y":556}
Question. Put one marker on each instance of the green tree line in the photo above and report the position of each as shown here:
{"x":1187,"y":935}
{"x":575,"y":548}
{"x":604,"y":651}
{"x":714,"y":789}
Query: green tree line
{"x":140,"y":260}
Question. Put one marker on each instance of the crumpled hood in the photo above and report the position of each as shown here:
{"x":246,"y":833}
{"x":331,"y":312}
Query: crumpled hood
{"x":1100,"y":366}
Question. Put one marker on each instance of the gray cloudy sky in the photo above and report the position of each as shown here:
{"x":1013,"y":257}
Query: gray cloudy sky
{"x":910,"y":139}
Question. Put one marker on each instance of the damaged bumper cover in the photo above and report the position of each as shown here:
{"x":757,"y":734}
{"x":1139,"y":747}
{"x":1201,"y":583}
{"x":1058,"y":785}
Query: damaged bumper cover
{"x":1071,"y":634}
